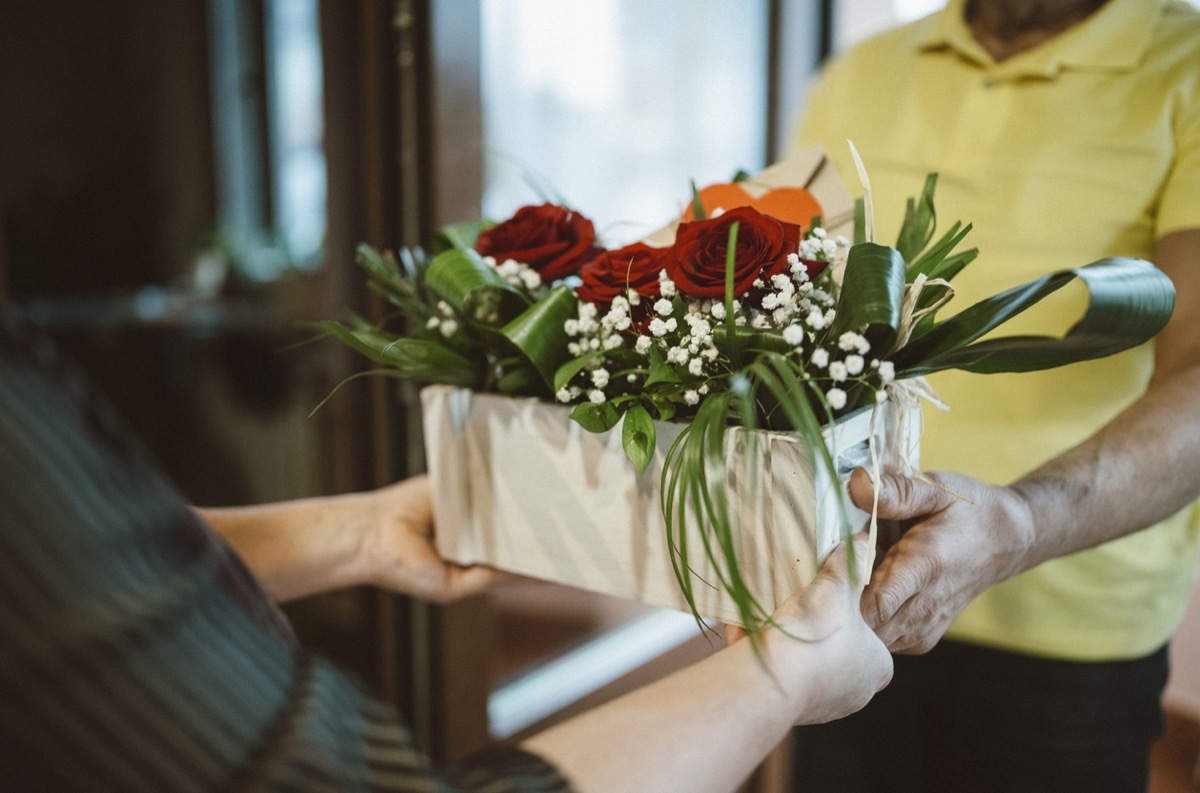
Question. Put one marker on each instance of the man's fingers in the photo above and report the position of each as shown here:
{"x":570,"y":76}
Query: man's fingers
{"x":895,"y":582}
{"x":900,"y":497}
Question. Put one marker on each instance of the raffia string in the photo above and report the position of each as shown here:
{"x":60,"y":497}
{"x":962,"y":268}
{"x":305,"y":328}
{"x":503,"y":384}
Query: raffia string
{"x":904,"y":394}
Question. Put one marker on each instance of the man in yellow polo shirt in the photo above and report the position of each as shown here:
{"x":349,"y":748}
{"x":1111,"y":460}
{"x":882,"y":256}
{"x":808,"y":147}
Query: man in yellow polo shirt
{"x":1065,"y":131}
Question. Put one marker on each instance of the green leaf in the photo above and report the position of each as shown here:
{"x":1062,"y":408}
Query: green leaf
{"x":660,"y":370}
{"x":697,"y":204}
{"x":871,"y":296}
{"x":1129,"y":301}
{"x":596,"y":418}
{"x":473,"y":289}
{"x":522,"y":380}
{"x":459,"y":235}
{"x":664,"y":406}
{"x":638,"y":437}
{"x":566,"y":373}
{"x":413,"y":359}
{"x":539,"y":332}
{"x":920,"y":218}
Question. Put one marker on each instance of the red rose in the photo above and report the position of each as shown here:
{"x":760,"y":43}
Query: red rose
{"x":552,"y":240}
{"x":697,"y":261}
{"x":633,"y":267}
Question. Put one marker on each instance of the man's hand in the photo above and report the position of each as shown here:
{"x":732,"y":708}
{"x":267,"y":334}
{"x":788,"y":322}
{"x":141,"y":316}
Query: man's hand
{"x":959,"y":537}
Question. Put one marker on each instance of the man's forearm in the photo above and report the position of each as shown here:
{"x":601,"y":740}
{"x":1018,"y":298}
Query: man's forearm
{"x":1141,"y":468}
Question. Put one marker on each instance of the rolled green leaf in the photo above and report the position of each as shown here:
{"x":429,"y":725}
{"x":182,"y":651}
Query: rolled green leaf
{"x":1129,"y":301}
{"x":872,"y":295}
{"x":539,"y":332}
{"x":473,"y":289}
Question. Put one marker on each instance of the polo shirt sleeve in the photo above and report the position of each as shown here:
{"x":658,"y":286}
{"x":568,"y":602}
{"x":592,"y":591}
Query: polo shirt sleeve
{"x":1179,"y":208}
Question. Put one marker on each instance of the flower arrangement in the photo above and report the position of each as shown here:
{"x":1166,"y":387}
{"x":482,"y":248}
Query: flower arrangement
{"x":750,"y":314}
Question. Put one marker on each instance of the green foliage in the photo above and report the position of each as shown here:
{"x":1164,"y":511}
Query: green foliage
{"x":465,"y":324}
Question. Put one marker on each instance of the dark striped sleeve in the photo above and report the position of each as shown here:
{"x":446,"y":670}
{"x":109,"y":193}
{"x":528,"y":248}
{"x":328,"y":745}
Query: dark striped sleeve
{"x":137,"y":653}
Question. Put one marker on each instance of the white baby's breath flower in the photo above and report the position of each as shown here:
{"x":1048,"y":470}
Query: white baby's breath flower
{"x":854,"y":364}
{"x":837,"y":371}
{"x":596,"y":396}
{"x":820,"y":358}
{"x":622,"y":322}
{"x":588,"y":311}
{"x":658,"y":327}
{"x":563,"y":395}
{"x":571,"y":327}
{"x":449,"y":327}
{"x":703,"y":389}
{"x":672,"y":324}
{"x":600,"y":377}
{"x":677,"y":355}
{"x":663,"y":307}
{"x":612,"y":342}
{"x":836,"y":398}
{"x":770,"y":301}
{"x":666,"y":287}
{"x":815,"y":320}
{"x":793,"y":335}
{"x":718,"y":311}
{"x":691,"y":396}
{"x":696,"y":367}
{"x":887,"y":371}
{"x":432,"y":322}
{"x":881,"y":396}
{"x":818,"y":232}
{"x":530,"y":279}
{"x":642,"y":344}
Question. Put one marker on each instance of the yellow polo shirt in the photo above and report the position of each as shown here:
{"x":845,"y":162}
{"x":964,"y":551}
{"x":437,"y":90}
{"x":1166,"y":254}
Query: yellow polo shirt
{"x":1085,"y":147}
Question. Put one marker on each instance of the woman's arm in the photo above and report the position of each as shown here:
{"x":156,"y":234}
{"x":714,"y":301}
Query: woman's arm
{"x":706,"y":727}
{"x":382,"y":537}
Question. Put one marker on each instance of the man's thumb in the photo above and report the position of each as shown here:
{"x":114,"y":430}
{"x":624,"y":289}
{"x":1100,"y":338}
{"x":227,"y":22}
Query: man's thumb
{"x":900,"y":497}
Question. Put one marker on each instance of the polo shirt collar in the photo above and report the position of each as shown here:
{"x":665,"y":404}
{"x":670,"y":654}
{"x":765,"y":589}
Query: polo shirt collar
{"x":1114,"y":38}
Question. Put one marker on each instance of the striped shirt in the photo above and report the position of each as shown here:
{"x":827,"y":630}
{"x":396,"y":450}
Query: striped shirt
{"x":137,"y":653}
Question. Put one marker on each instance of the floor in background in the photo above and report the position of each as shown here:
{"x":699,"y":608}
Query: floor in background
{"x":1175,"y":759}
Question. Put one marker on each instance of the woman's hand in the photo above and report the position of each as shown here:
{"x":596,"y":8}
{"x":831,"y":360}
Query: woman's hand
{"x":821,"y":643}
{"x":401,"y":555}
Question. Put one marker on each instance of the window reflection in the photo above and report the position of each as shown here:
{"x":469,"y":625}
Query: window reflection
{"x":294,"y":104}
{"x":613,"y":105}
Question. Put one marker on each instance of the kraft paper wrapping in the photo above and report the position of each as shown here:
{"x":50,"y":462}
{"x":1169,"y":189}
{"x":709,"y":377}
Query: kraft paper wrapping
{"x":519,"y":486}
